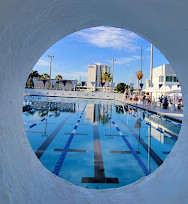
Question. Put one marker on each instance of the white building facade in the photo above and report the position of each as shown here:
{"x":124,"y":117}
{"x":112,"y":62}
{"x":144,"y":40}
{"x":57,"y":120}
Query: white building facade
{"x":94,"y":75}
{"x":163,"y":75}
{"x":164,"y":81}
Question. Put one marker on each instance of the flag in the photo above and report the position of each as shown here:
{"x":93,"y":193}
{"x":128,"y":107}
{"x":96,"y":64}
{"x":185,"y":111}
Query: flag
{"x":53,"y":82}
{"x":93,"y":83}
{"x":170,"y":86}
{"x":73,"y":83}
{"x":64,"y":82}
{"x":160,"y":85}
{"x":131,"y":85}
{"x":141,"y":85}
{"x":44,"y":81}
{"x":102,"y":84}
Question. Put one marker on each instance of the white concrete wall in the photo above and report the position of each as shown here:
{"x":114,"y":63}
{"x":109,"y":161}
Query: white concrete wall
{"x":74,"y":94}
{"x":27,"y":29}
{"x":157,"y":72}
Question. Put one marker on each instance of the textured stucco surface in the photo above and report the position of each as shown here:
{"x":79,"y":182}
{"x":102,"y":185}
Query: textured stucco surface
{"x":27,"y":29}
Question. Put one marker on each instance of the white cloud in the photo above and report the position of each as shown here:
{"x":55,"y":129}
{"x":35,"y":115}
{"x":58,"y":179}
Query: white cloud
{"x":42,"y":63}
{"x":109,"y":37}
{"x":127,"y":60}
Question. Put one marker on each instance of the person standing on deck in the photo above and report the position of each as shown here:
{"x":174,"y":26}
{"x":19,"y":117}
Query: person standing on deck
{"x":144,"y":100}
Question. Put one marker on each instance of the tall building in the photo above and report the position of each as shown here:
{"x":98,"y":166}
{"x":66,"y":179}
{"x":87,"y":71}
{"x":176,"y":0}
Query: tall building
{"x":164,"y":75}
{"x":94,"y":74}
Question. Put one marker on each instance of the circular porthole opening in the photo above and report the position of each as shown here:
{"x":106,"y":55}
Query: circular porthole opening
{"x":102,"y":108}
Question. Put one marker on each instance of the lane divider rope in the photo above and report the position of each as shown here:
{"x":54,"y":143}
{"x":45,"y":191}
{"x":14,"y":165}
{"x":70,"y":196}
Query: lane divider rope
{"x":157,"y":116}
{"x":140,"y":162}
{"x":66,"y":148}
{"x":150,"y":125}
{"x":34,"y":124}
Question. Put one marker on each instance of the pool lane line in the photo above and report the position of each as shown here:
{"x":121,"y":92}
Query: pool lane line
{"x":140,"y":162}
{"x":166,"y":134}
{"x":45,"y":106}
{"x":116,"y":135}
{"x":40,"y":151}
{"x":66,"y":148}
{"x":157,"y":116}
{"x":36,"y":109}
{"x":98,"y":162}
{"x":148,"y":149}
{"x":43,"y":119}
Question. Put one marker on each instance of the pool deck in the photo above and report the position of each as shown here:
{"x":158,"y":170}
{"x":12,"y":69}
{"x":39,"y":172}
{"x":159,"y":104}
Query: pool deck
{"x":176,"y":115}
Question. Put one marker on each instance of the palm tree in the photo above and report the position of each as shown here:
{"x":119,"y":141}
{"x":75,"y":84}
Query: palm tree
{"x":58,"y":77}
{"x":106,"y":78}
{"x":45,"y":76}
{"x":33,"y":74}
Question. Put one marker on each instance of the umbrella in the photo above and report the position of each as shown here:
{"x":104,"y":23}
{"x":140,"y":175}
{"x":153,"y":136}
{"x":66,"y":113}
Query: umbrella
{"x":151,"y":89}
{"x":165,"y":89}
{"x":176,"y":89}
{"x":175,"y":94}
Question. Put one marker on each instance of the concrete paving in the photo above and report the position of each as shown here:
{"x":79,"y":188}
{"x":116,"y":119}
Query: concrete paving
{"x":174,"y":115}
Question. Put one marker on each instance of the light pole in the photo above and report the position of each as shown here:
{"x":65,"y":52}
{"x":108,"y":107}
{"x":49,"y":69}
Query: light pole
{"x":151,"y":69}
{"x":50,"y":68}
{"x":113,"y":60}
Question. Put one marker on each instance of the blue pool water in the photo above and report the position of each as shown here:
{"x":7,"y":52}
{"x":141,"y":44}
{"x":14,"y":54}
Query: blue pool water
{"x":97,"y":143}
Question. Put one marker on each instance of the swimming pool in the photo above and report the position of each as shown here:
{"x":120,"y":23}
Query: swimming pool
{"x":97,"y":143}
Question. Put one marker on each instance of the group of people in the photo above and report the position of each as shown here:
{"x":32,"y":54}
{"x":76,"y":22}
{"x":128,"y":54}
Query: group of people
{"x":164,"y":100}
{"x":146,"y":100}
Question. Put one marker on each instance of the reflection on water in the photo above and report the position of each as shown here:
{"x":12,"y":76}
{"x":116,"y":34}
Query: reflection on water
{"x":94,"y":113}
{"x":98,"y":156}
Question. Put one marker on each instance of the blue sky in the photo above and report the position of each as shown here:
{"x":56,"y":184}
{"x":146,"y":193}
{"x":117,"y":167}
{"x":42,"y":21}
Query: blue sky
{"x":73,"y":53}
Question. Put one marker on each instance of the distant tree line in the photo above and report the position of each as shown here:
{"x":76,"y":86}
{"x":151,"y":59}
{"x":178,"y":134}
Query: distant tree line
{"x":121,"y":87}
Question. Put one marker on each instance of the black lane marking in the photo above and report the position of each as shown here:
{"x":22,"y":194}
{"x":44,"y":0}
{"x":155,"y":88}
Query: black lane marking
{"x":75,"y":134}
{"x":117,"y":135}
{"x":70,"y":150}
{"x":153,"y":155}
{"x":166,"y":152}
{"x":47,"y":142}
{"x":98,"y":163}
{"x":123,"y":152}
